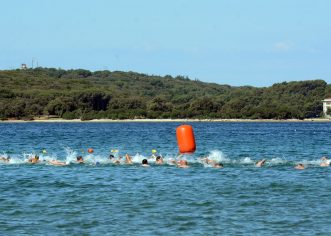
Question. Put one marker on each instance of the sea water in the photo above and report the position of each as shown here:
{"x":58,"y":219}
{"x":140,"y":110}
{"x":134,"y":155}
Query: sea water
{"x":102,"y":198}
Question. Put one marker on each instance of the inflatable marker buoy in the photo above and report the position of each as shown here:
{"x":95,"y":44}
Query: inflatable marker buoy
{"x":90,"y":150}
{"x":185,"y":139}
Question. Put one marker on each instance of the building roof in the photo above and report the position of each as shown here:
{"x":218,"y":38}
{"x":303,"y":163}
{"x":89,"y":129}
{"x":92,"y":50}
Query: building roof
{"x":327,"y":100}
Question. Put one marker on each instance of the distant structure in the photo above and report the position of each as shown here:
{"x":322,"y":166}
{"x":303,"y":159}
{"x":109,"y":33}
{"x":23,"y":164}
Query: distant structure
{"x":327,"y":107}
{"x":23,"y":67}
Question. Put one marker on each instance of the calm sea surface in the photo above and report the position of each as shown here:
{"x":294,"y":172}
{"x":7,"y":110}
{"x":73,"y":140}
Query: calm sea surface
{"x":100,"y":198}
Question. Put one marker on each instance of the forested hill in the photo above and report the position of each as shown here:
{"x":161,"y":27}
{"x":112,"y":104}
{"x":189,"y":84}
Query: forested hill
{"x":70,"y":94}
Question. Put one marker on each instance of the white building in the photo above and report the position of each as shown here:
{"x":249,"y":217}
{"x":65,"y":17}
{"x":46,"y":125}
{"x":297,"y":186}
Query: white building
{"x":327,"y":106}
{"x":24,"y":67}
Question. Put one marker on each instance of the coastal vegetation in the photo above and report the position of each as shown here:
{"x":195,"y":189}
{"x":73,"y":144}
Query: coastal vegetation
{"x":82,"y":94}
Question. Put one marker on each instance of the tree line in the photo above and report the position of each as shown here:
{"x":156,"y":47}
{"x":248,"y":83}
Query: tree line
{"x":82,"y":94}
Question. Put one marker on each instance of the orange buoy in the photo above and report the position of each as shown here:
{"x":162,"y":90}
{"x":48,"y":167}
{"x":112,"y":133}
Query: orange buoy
{"x":90,"y":150}
{"x":185,"y":139}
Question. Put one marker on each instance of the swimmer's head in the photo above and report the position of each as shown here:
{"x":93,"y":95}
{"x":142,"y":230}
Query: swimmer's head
{"x":159,"y":160}
{"x":111,"y":156}
{"x":36,"y":157}
{"x":144,"y":162}
{"x":299,"y":166}
{"x":79,"y":158}
{"x":218,"y":165}
{"x":183,"y":162}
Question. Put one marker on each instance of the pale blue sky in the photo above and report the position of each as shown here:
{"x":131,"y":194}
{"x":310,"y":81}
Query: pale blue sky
{"x":256,"y":42}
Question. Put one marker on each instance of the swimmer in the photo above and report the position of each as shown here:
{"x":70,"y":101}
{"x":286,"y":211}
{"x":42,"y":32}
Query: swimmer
{"x":260,"y":163}
{"x":218,"y":165}
{"x":182,"y":164}
{"x":144,"y":163}
{"x":57,"y":163}
{"x":300,"y":167}
{"x":34,"y":160}
{"x":5,"y":159}
{"x":128,"y":159}
{"x":325,"y":162}
{"x":211,"y":162}
{"x":80,"y":160}
{"x":172,"y":162}
{"x":206,"y":160}
{"x":159,"y":160}
{"x":113,"y":159}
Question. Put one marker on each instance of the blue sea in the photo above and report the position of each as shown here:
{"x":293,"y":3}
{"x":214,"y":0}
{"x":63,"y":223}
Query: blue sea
{"x":102,"y":198}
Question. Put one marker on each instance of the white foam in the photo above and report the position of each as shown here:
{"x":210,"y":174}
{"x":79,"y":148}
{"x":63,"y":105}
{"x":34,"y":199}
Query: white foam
{"x":71,"y":155}
{"x":277,"y":161}
{"x":246,"y":160}
{"x":310,"y":162}
{"x":218,"y":156}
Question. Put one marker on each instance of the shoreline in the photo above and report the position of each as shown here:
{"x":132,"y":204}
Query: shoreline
{"x":59,"y":120}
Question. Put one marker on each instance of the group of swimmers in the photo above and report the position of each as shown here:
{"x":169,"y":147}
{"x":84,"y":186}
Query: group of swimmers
{"x":324,"y":163}
{"x":181,"y":163}
{"x":128,"y":160}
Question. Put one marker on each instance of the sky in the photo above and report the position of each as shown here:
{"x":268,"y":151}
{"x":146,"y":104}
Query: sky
{"x":256,"y":42}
